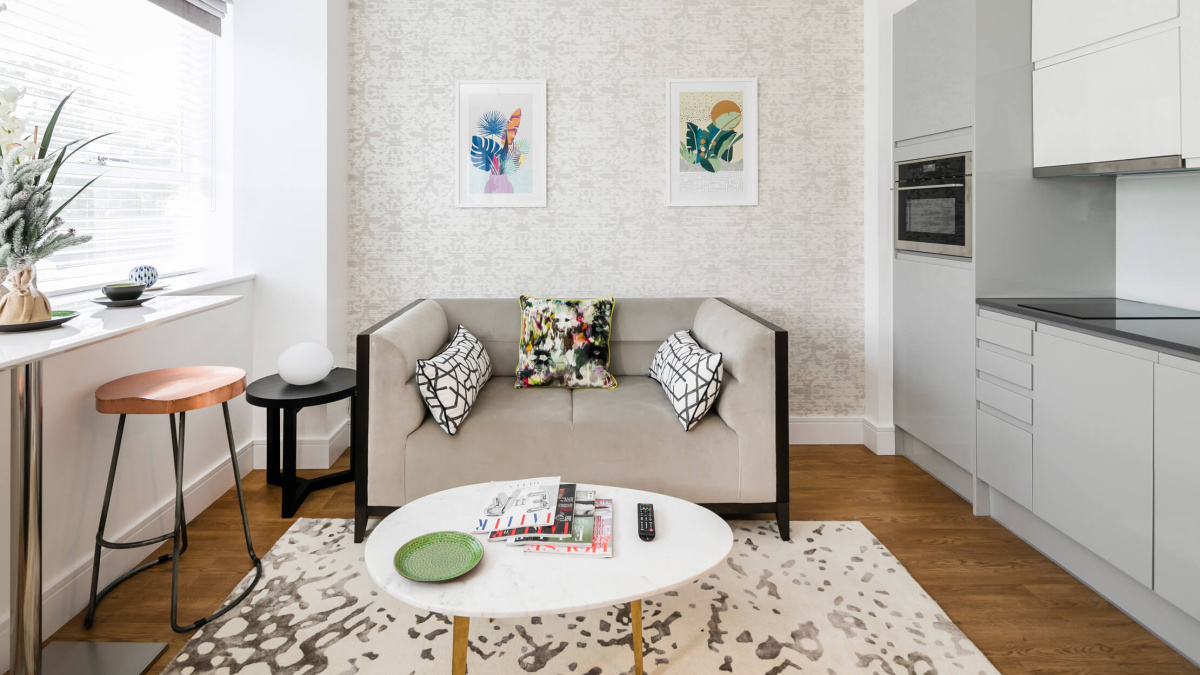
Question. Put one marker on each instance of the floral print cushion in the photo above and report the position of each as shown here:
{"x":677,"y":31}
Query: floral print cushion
{"x":564,"y":343}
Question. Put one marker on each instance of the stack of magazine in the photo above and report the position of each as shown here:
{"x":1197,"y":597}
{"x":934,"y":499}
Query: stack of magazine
{"x":547,"y":517}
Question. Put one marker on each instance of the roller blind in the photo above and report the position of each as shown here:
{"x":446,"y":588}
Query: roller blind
{"x":146,"y":75}
{"x":204,"y":13}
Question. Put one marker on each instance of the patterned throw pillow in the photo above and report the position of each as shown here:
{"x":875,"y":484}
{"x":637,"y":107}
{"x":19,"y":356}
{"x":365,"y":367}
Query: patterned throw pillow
{"x":450,"y":381}
{"x":564,"y":343}
{"x":691,"y":376}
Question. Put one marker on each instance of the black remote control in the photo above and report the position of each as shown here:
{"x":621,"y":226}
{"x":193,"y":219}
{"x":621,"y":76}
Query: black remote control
{"x":646,"y":521}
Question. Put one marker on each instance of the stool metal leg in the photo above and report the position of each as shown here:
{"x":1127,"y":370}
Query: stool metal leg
{"x":237,"y":482}
{"x":95,"y":597}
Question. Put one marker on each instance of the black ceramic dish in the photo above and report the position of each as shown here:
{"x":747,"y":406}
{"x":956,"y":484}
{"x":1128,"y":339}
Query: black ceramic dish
{"x":58,"y":318}
{"x":136,"y":302}
{"x":124,"y":291}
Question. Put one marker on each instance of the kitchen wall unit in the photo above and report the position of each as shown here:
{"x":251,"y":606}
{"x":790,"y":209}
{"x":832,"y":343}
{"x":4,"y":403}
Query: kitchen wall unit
{"x":1093,"y":447}
{"x":1061,"y":26}
{"x":1176,"y":482}
{"x":1115,"y":81}
{"x":933,"y":68}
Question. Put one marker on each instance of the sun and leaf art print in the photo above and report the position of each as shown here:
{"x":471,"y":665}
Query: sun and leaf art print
{"x":711,"y":131}
{"x":496,"y":149}
{"x":712,"y":142}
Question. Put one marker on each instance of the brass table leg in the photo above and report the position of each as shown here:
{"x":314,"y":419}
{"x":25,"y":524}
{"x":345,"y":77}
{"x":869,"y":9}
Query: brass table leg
{"x":459,"y":662}
{"x":635,"y":612}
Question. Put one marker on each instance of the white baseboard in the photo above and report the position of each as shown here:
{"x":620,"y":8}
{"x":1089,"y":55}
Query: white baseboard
{"x":64,"y":597}
{"x":313,"y":452}
{"x":880,"y":439}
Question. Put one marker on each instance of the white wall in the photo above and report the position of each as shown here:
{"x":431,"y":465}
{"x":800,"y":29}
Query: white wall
{"x":78,"y":447}
{"x":289,"y":199}
{"x":1158,"y":239}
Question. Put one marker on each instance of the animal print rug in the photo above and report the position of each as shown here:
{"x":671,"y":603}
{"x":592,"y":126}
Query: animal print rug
{"x":833,"y":601}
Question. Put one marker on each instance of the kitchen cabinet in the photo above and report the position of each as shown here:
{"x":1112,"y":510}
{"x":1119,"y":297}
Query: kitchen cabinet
{"x":934,"y":357}
{"x":1093,"y":448}
{"x":1119,"y":103}
{"x":1061,"y":26}
{"x":933,"y":68}
{"x":1177,"y":488}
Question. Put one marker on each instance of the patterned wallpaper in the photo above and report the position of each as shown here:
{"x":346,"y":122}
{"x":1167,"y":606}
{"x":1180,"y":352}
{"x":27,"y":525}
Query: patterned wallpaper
{"x":796,"y":258}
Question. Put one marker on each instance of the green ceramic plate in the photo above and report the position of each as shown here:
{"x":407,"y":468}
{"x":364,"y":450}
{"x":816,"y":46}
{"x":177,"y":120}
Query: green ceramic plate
{"x":438,"y":556}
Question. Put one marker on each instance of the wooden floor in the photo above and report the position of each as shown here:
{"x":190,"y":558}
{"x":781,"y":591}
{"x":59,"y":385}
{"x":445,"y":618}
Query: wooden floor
{"x":1023,"y":611}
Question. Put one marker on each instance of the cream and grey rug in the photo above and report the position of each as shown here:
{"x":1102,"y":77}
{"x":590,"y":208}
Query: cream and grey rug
{"x":832,"y":601}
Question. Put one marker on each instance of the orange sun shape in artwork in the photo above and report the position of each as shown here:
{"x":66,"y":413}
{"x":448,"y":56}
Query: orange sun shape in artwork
{"x":723,"y":107}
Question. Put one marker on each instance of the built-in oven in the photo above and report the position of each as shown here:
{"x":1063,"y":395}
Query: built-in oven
{"x":933,"y":205}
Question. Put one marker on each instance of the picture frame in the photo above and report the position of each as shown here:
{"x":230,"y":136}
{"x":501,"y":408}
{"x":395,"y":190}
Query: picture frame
{"x":711,"y":164}
{"x":500,"y":149}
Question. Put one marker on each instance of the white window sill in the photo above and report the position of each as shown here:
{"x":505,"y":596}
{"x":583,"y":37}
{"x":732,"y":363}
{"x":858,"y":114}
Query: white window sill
{"x":182,"y":284}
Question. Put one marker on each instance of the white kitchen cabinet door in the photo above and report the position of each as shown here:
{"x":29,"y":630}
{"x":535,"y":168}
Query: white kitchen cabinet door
{"x":1093,"y":450}
{"x":1060,"y":26}
{"x":934,"y":357}
{"x":1177,"y":488}
{"x":933,"y":68}
{"x":1120,"y":103}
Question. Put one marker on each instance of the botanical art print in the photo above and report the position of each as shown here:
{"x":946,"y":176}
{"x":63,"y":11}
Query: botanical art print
{"x":502,"y":138}
{"x":713,"y":142}
{"x":498,"y":152}
{"x":565,"y":343}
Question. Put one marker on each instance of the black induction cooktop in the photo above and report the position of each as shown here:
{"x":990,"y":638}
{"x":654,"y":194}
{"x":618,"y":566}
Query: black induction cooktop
{"x":1108,"y":308}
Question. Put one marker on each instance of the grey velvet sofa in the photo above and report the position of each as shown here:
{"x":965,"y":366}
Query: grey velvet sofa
{"x":734,"y":461}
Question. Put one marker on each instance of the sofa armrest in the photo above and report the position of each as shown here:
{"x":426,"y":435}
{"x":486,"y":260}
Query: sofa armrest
{"x":389,"y":404}
{"x":753,"y":399}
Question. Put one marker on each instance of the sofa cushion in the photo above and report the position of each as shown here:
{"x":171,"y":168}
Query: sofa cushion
{"x":450,"y":380}
{"x":630,"y":437}
{"x":690,"y":376}
{"x":564,"y":343}
{"x":512,"y":434}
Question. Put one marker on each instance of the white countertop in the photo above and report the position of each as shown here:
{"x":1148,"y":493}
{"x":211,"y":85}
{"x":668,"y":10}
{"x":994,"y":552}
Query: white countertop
{"x":97,"y":324}
{"x":690,"y":542}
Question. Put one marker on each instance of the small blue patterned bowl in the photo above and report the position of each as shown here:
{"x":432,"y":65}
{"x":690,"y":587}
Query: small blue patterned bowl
{"x":144,"y":274}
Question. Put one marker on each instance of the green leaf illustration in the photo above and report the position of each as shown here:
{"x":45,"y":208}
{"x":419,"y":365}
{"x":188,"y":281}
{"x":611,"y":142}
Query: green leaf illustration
{"x":729,"y":121}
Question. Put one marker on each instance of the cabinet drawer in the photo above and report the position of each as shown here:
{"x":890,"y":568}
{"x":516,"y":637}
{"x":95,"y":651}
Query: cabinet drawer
{"x":1004,"y":400}
{"x":1007,"y":335}
{"x":1005,"y":458}
{"x":1004,"y":367}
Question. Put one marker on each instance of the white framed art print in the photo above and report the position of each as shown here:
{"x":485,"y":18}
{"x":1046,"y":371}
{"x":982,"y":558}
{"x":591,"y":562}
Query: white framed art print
{"x":501,"y":149}
{"x":712,"y":142}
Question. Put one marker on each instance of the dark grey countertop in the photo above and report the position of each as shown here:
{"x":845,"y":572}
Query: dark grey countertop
{"x":1180,"y":337}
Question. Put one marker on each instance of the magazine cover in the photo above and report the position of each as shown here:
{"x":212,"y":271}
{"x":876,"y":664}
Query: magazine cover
{"x":523,"y":503}
{"x":561,"y":529}
{"x":599,"y":541}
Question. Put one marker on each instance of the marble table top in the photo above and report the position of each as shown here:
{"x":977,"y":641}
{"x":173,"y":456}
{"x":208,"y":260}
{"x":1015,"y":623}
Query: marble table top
{"x":509,"y":583}
{"x":97,"y":323}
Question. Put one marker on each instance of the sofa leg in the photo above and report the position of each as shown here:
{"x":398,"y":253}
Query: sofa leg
{"x":783,"y":518}
{"x":360,"y":523}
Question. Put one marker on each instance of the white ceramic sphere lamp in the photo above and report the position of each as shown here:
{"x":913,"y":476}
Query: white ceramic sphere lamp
{"x":305,"y":363}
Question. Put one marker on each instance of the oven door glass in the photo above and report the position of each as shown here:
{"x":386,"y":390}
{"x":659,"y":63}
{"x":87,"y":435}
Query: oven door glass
{"x":932,"y":215}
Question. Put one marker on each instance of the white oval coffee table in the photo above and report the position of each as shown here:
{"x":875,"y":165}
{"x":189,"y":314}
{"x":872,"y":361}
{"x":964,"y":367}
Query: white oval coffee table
{"x":690,"y":541}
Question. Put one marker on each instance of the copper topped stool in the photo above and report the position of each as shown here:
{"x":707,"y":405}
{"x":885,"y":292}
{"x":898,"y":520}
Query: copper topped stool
{"x":171,"y":392}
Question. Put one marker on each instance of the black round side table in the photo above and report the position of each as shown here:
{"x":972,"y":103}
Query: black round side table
{"x":277,"y":396}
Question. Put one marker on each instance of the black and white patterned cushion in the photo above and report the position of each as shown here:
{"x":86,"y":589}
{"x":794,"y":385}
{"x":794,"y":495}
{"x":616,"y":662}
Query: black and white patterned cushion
{"x":689,"y":374}
{"x":450,"y":381}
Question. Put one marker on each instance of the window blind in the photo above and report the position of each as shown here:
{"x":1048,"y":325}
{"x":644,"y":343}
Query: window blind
{"x":204,"y":13}
{"x":146,"y":75}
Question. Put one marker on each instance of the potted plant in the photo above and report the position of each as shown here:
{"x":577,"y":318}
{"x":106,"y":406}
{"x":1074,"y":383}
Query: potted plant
{"x":30,"y":226}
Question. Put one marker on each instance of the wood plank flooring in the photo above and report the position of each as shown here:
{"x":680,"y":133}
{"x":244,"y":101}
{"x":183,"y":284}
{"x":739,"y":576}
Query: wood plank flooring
{"x":1026,"y":614}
